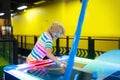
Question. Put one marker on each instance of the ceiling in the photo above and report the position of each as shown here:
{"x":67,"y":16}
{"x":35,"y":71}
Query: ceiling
{"x":17,"y":3}
{"x":6,"y":5}
{"x":10,"y":6}
{"x":13,"y":4}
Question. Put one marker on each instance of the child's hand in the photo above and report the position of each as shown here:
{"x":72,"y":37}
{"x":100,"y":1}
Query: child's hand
{"x":62,"y":65}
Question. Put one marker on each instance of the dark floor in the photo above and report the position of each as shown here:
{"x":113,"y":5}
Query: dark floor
{"x":1,"y":78}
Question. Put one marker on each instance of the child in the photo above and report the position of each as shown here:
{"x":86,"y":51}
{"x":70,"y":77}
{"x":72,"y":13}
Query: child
{"x":43,"y":46}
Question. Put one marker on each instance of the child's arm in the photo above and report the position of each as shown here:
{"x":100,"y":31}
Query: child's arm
{"x":51,"y":56}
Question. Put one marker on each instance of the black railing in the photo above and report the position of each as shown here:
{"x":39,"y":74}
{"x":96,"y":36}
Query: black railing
{"x":95,"y":46}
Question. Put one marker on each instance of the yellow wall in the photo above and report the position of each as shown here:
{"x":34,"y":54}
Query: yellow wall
{"x":36,"y":20}
{"x":102,"y":18}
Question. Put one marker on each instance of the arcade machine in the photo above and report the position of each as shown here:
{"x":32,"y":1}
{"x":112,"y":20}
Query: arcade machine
{"x":105,"y":67}
{"x":38,"y":70}
{"x":46,"y":70}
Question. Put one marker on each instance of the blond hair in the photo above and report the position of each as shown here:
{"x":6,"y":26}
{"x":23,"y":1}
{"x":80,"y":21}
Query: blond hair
{"x":56,"y":27}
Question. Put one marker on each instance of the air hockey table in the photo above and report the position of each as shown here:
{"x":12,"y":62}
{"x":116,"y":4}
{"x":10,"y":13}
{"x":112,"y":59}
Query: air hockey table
{"x":46,"y":70}
{"x":105,"y":67}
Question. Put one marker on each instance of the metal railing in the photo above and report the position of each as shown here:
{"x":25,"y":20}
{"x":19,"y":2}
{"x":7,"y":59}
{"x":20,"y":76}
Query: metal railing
{"x":89,"y":47}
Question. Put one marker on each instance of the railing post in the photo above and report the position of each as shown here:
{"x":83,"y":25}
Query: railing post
{"x":67,"y":45}
{"x":21,"y":41}
{"x":91,"y":51}
{"x":35,"y":39}
{"x":57,"y":47}
{"x":15,"y":52}
{"x":25,"y":42}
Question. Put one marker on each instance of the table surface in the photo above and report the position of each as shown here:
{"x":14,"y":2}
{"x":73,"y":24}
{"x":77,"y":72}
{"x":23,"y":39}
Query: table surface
{"x":50,"y":72}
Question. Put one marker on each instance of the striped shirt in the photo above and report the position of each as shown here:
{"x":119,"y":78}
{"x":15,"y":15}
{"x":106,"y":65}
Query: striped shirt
{"x":38,"y":52}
